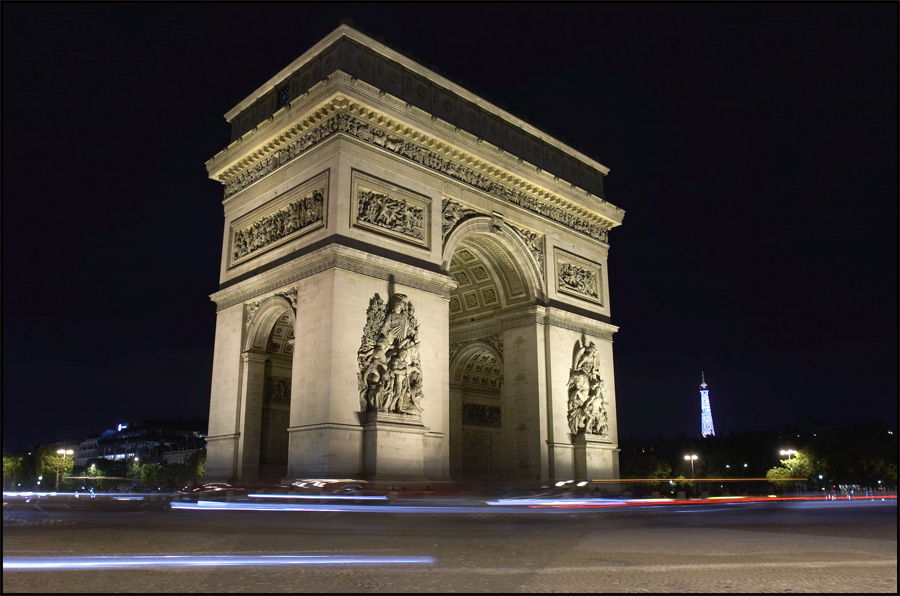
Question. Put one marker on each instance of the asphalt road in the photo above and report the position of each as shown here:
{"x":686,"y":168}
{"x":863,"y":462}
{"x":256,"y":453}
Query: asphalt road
{"x":831,"y":546}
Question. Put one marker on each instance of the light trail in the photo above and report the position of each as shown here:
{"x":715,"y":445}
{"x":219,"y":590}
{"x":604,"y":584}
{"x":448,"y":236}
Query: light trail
{"x":162,"y":561}
{"x":322,"y":497}
{"x":500,"y":506}
{"x":247,"y":506}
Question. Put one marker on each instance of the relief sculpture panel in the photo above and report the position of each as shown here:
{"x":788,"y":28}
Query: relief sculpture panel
{"x":389,"y":210}
{"x":578,"y":277}
{"x":297,"y":212}
{"x":390,"y":370}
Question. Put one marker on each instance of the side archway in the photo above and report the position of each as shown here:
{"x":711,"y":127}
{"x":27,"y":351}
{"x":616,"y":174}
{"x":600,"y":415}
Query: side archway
{"x":476,"y":440}
{"x":268,"y":360}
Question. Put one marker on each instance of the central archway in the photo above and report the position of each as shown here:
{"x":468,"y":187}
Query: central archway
{"x":496,"y":275}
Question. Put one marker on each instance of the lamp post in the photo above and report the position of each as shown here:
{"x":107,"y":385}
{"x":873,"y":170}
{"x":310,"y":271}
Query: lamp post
{"x":64,"y":453}
{"x":691,"y":458}
{"x":788,"y":452}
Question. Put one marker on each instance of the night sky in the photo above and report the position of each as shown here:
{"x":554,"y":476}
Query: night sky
{"x":752,"y":146}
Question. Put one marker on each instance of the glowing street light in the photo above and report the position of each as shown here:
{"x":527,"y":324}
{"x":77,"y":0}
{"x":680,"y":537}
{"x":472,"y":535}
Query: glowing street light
{"x":691,"y":459}
{"x":63,"y":453}
{"x":788,"y":452}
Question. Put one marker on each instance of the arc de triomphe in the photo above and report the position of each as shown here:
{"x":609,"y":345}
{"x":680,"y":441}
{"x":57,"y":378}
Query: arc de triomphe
{"x":413,"y":284}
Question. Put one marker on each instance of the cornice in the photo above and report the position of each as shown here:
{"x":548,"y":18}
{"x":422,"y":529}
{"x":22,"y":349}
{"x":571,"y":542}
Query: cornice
{"x":343,"y":31}
{"x":444,"y":149}
{"x":332,"y":256}
{"x":573,"y":322}
{"x":486,"y":327}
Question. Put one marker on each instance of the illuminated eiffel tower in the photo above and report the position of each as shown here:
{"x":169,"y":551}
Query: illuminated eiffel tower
{"x":706,"y":423}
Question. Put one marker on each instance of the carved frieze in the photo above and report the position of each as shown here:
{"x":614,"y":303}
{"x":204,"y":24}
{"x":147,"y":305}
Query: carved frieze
{"x":367,"y":133}
{"x":579,"y":277}
{"x":297,"y":212}
{"x":481,"y":414}
{"x":390,"y":370}
{"x":390,"y":210}
{"x":586,"y":405}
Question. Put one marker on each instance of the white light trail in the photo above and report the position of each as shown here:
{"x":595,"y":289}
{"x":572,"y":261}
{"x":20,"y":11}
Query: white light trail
{"x":119,"y":562}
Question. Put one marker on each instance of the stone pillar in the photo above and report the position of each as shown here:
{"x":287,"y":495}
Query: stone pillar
{"x":253,"y":371}
{"x":224,"y":406}
{"x":329,"y":438}
{"x":525,"y":397}
{"x":393,"y":446}
{"x":594,"y":457}
{"x":455,"y":416}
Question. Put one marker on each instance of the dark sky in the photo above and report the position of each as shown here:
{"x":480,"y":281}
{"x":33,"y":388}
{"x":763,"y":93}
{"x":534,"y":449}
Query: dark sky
{"x":752,"y":145}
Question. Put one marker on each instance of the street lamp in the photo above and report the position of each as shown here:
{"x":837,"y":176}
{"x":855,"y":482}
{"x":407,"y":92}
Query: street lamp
{"x":691,"y":458}
{"x":63,"y":453}
{"x":788,"y":452}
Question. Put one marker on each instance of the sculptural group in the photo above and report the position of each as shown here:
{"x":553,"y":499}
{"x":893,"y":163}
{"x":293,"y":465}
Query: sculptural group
{"x":390,"y":377}
{"x":586,"y":411}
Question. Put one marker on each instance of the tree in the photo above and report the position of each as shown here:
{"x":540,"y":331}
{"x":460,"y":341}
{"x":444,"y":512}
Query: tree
{"x":151,"y":475}
{"x":13,"y":471}
{"x":779,"y":476}
{"x":52,"y":465}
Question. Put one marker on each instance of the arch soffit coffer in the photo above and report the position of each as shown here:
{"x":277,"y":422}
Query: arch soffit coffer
{"x":466,"y":352}
{"x":507,"y":238}
{"x":264,"y":320}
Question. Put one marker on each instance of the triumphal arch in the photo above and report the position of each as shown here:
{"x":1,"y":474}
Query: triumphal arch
{"x":413,"y":284}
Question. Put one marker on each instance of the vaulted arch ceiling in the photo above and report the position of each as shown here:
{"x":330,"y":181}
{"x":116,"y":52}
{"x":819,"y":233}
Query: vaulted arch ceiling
{"x":281,"y":340}
{"x":487,"y":276}
{"x":482,"y":370}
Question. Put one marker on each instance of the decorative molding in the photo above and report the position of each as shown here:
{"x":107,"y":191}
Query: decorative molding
{"x":534,"y":315}
{"x":375,"y":136}
{"x":581,"y":324}
{"x":297,"y":212}
{"x":228,"y":437}
{"x":579,"y":277}
{"x":586,"y":405}
{"x":386,"y":209}
{"x":331,"y":257}
{"x":390,"y":369}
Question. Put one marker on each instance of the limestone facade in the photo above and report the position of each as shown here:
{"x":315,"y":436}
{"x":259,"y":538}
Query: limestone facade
{"x":401,"y":298}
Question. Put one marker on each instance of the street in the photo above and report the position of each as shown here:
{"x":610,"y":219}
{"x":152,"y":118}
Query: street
{"x":823,"y":546}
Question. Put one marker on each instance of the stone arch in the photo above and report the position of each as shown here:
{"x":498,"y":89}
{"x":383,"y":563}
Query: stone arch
{"x":268,"y":361}
{"x":464,"y":354}
{"x":503,"y":235}
{"x":263,"y":321}
{"x":476,"y":436}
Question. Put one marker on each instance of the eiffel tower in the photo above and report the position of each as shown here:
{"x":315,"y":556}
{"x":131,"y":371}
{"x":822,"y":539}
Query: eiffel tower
{"x":706,"y":422}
